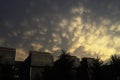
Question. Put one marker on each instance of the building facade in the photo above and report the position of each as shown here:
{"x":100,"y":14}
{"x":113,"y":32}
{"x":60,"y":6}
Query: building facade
{"x":39,"y":60}
{"x":7,"y":59}
{"x":29,"y":69}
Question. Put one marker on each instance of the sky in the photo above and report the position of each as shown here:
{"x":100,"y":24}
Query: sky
{"x":84,"y":28}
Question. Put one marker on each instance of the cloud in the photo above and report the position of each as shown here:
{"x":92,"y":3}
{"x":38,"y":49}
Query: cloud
{"x":55,"y":48}
{"x":2,"y":41}
{"x":20,"y":55}
{"x":49,"y":25}
{"x":36,"y":46}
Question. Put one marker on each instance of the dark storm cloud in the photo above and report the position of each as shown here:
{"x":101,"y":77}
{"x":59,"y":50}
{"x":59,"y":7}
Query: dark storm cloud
{"x":35,"y":24}
{"x":21,"y":16}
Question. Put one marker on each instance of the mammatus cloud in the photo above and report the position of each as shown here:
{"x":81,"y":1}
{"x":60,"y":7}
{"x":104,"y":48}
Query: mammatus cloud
{"x":96,"y":37}
{"x":82,"y":27}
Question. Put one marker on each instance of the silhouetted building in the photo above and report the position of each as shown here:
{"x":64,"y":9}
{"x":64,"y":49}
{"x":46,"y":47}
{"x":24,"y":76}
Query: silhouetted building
{"x":88,"y":64}
{"x":76,"y":61}
{"x":33,"y":66}
{"x":7,"y":55}
{"x":7,"y":60}
{"x":89,"y":61}
{"x":18,"y":70}
{"x":29,"y":69}
{"x":38,"y":62}
{"x":22,"y":70}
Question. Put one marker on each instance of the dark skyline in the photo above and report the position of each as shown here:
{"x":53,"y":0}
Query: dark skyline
{"x":82,"y":27}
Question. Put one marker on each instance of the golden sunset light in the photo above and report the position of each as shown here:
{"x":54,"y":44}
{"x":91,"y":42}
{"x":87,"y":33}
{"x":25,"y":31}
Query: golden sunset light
{"x":59,"y":39}
{"x":81,"y":27}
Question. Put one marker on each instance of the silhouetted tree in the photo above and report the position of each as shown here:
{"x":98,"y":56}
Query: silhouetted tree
{"x":96,"y":69}
{"x":64,"y":67}
{"x":115,"y":64}
{"x":89,"y":69}
{"x":82,"y":72}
